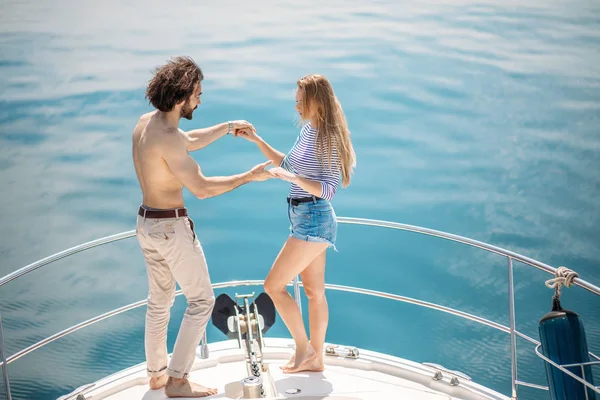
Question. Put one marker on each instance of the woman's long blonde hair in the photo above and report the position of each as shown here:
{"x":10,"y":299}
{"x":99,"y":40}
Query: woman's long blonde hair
{"x":332,"y":130}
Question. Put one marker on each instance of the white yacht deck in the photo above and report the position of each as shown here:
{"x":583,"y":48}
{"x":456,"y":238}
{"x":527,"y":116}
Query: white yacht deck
{"x":370,"y":376}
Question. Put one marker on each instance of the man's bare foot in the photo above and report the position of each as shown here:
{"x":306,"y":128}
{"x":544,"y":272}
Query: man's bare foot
{"x":157,"y":382}
{"x":183,"y":388}
{"x":312,"y":364}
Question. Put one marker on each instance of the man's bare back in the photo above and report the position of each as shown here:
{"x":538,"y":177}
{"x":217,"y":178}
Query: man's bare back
{"x":160,"y":188}
{"x":163,"y":164}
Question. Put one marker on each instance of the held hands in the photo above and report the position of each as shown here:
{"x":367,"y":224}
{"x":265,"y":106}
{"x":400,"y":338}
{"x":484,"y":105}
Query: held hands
{"x":283,"y":174}
{"x":245,"y":129}
{"x":240,"y":125}
{"x":259,"y":173}
{"x":247,"y":133}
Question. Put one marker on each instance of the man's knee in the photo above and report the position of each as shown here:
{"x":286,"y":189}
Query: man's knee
{"x":161,"y":301}
{"x":204,"y":303}
{"x":210,"y":302}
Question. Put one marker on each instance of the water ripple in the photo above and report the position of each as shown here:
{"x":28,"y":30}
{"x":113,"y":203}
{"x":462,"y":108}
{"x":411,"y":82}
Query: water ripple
{"x":478,"y":118}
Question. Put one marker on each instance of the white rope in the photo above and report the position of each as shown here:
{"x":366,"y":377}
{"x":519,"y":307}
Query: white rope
{"x":563,"y":276}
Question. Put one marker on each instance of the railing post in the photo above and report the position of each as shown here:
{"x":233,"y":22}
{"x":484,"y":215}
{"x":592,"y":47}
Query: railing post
{"x":297,"y":293}
{"x":4,"y":364}
{"x":513,"y":335}
{"x":583,"y":377}
{"x":204,"y":347}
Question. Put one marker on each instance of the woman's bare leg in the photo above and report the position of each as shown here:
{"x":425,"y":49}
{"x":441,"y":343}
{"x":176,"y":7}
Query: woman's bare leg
{"x":295,"y":256}
{"x":313,"y":279}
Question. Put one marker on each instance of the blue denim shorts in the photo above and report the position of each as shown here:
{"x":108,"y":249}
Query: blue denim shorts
{"x":313,"y":221}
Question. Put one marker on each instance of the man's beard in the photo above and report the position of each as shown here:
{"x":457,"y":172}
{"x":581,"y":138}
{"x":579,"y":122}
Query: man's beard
{"x":187,"y":111}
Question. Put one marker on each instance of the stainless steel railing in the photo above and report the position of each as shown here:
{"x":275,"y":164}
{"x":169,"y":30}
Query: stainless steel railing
{"x":4,"y":363}
{"x":296,"y":284}
{"x":65,"y":253}
{"x":229,"y":284}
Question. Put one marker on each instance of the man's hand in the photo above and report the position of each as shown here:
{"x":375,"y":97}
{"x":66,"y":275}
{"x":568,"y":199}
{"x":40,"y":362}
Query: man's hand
{"x":259,"y":173}
{"x":242,"y":124}
{"x":284,"y":174}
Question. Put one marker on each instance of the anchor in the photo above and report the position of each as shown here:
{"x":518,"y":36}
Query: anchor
{"x":248,"y":322}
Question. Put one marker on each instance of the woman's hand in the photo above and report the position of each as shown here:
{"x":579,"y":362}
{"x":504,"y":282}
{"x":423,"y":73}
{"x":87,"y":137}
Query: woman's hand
{"x":283,"y":174}
{"x":242,"y":124}
{"x":248,"y":134}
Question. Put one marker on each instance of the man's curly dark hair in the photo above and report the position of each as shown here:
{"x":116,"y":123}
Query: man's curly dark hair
{"x":173,"y":82}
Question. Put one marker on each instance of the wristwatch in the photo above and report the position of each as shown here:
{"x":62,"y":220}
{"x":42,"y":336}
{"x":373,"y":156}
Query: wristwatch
{"x":230,"y":127}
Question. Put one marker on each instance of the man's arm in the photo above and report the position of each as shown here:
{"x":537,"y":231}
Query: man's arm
{"x":197,"y":139}
{"x":188,"y":172}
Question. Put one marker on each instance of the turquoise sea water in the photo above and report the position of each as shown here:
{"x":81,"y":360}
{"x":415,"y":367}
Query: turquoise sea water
{"x":479,"y":118}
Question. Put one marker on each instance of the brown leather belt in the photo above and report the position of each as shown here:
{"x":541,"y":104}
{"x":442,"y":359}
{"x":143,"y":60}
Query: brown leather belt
{"x":180,"y":212}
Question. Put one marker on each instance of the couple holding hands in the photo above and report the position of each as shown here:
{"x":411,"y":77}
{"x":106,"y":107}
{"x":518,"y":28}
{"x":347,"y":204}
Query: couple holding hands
{"x":321,"y":156}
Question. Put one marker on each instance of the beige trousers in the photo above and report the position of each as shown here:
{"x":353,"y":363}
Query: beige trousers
{"x":173,"y":254}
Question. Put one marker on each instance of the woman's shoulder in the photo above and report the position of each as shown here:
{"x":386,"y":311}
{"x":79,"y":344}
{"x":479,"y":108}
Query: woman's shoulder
{"x":307,"y":129}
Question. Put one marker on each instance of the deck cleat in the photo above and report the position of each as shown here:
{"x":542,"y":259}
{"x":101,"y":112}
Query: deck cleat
{"x":346,"y":351}
{"x":440,"y":369}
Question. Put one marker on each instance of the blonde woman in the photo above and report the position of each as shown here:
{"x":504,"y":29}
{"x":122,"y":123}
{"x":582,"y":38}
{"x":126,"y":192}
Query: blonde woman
{"x":322,"y":154}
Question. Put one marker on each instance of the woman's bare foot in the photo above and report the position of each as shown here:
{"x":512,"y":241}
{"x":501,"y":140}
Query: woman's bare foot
{"x":301,"y":358}
{"x":289,"y":363}
{"x":312,"y":364}
{"x":184,"y":388}
{"x":157,"y":382}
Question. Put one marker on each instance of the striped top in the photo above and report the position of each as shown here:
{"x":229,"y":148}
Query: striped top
{"x":302,"y":161}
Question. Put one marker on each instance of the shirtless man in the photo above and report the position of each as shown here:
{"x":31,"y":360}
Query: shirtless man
{"x":165,"y":231}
